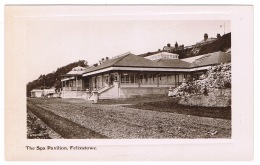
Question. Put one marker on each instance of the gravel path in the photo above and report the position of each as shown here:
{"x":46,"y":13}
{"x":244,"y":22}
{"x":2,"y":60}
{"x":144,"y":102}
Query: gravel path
{"x":121,"y":122}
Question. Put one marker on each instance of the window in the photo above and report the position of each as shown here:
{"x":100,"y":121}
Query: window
{"x":132,"y":78}
{"x":127,"y":78}
{"x":163,"y":79}
{"x":141,"y":76}
{"x":145,"y":78}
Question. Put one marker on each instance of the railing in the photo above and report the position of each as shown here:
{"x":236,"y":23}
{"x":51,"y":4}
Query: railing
{"x":102,"y":90}
{"x":73,"y":89}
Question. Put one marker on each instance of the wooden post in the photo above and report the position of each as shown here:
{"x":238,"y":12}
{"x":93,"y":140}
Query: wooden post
{"x":82,"y":83}
{"x":76,"y":87}
{"x":157,"y":78}
{"x":87,"y":94}
{"x":119,"y":79}
{"x":95,"y":96}
{"x":102,"y":83}
{"x":178,"y":79}
{"x":175,"y":80}
{"x":138,"y":79}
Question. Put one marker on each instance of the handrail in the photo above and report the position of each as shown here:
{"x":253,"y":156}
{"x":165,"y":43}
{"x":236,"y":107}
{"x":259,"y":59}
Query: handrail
{"x":109,"y":87}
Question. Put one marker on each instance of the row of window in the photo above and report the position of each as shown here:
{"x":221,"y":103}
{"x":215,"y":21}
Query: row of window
{"x":73,"y":83}
{"x":131,"y":78}
{"x":156,"y":57}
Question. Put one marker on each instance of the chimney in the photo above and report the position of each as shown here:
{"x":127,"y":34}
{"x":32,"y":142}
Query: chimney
{"x":218,"y":35}
{"x":176,"y":45}
{"x":205,"y":36}
{"x":168,"y":45}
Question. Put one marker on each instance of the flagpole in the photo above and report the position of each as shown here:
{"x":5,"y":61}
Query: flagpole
{"x":224,"y":28}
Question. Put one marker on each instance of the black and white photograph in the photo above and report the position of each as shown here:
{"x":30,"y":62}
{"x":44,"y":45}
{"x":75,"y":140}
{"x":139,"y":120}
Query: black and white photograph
{"x":123,"y":73}
{"x":175,"y":82}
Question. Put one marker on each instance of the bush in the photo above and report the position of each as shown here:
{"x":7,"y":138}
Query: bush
{"x":216,"y":77}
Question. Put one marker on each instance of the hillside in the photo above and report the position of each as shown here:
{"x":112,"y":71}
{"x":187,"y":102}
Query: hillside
{"x":221,"y":44}
{"x":52,"y":79}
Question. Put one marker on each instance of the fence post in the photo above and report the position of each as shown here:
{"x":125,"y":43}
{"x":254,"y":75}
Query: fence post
{"x":170,"y":92}
{"x":95,"y":96}
{"x":87,"y":94}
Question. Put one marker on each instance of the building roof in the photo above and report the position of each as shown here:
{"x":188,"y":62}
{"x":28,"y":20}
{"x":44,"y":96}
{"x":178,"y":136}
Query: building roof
{"x":52,"y":90}
{"x":162,"y":53}
{"x":212,"y":59}
{"x":130,"y":60}
{"x":105,"y":64}
{"x":36,"y":90}
{"x":76,"y":71}
{"x":173,"y":63}
{"x":192,"y":59}
{"x":168,"y":48}
{"x":135,"y":61}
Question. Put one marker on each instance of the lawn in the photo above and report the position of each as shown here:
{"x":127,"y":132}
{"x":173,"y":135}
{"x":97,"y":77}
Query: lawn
{"x":116,"y":119}
{"x":66,"y":128}
{"x":168,"y":104}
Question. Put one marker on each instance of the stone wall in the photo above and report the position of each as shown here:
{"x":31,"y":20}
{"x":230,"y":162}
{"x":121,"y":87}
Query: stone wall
{"x":142,"y":91}
{"x":215,"y":98}
{"x":73,"y":94}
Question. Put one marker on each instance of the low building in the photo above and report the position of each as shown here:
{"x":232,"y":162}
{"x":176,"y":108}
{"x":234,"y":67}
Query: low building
{"x":162,"y":55}
{"x":36,"y":93}
{"x":73,"y":85}
{"x":50,"y":93}
{"x":129,"y":75}
{"x":44,"y":93}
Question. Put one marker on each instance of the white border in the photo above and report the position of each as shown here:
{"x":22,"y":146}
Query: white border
{"x":154,"y":2}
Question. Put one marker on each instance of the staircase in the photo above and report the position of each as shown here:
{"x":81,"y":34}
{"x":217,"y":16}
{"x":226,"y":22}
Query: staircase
{"x":106,"y":92}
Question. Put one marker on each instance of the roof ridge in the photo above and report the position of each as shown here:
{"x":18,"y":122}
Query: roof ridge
{"x":120,"y":59}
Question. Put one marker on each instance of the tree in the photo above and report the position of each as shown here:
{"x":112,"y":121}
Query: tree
{"x":52,"y":79}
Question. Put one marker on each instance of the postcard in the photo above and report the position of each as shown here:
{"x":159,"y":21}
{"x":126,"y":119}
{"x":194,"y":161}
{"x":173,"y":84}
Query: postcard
{"x":128,"y":82}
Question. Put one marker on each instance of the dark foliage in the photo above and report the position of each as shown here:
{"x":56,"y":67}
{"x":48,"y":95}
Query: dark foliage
{"x":221,"y":44}
{"x":52,"y":79}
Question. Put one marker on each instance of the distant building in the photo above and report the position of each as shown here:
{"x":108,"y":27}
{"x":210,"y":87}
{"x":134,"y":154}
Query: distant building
{"x":44,"y":93}
{"x":73,"y":84}
{"x":206,"y":40}
{"x":194,"y":48}
{"x":169,"y":48}
{"x":162,"y":55}
{"x":203,"y":42}
{"x":50,"y":93}
{"x":36,"y":93}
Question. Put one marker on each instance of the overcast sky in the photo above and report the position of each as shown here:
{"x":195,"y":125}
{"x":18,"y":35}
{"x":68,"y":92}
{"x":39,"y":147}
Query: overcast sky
{"x":53,"y":40}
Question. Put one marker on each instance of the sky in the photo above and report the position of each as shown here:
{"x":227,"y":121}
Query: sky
{"x":55,"y":38}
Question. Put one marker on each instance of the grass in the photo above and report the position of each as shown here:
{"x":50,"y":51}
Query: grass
{"x":167,"y":104}
{"x":73,"y":118}
{"x":66,"y":128}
